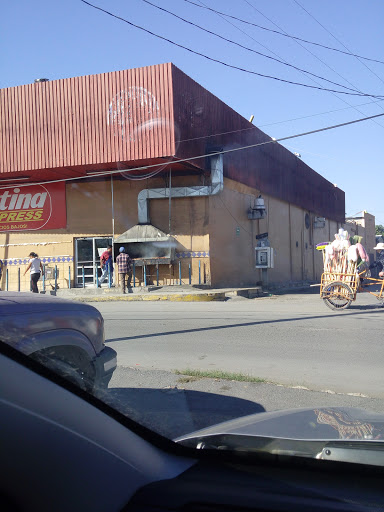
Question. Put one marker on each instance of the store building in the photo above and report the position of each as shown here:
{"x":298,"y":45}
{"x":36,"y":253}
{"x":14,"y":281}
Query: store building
{"x":180,"y":217}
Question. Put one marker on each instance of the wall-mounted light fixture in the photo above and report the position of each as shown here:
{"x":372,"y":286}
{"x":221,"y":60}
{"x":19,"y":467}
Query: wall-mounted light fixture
{"x":257,"y":211}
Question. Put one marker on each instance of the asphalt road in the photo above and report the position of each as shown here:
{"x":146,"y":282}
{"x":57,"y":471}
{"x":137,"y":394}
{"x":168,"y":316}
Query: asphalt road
{"x":294,"y":340}
{"x":310,"y":356}
{"x":173,"y":405}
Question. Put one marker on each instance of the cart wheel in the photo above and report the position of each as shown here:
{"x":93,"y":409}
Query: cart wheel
{"x":337,"y":295}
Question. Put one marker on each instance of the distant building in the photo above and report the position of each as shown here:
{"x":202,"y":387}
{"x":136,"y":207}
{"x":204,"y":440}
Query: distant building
{"x":156,"y":119}
{"x":364,"y":226}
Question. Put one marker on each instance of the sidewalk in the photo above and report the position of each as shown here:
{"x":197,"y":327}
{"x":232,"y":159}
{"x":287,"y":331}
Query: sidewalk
{"x":186,"y":293}
{"x":176,"y":293}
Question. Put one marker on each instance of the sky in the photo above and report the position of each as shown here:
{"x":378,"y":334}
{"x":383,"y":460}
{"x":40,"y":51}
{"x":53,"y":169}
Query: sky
{"x":61,"y":39}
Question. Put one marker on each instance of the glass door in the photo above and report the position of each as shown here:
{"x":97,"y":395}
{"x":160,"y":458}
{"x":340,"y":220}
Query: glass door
{"x":88,"y":252}
{"x":99,"y":246}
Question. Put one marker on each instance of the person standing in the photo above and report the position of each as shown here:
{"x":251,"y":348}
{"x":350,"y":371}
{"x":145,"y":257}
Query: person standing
{"x":379,"y":263}
{"x":36,"y":267}
{"x":1,"y":271}
{"x":106,"y":262}
{"x":124,"y":266}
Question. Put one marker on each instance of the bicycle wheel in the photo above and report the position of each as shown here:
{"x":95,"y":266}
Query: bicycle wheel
{"x":337,"y":295}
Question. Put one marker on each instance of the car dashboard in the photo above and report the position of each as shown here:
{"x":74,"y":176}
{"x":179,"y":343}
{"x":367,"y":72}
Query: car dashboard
{"x":63,"y":449}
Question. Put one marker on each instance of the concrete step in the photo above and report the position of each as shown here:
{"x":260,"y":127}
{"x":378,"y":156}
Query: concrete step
{"x":249,"y":293}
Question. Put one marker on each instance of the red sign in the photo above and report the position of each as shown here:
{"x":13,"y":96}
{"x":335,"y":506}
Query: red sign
{"x":33,"y":207}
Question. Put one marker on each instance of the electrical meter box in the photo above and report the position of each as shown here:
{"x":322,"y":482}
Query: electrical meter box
{"x":264,"y":257}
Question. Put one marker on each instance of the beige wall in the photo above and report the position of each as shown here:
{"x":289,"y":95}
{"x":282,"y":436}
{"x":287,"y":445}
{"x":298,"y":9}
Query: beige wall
{"x":46,"y":244}
{"x":232,"y":237}
{"x":232,"y":253}
{"x":217,"y":225}
{"x":189,"y":226}
{"x":276,"y":224}
{"x":89,"y":214}
{"x":295,"y":256}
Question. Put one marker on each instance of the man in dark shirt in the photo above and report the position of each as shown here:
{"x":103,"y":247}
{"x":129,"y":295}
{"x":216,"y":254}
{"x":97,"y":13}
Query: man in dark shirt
{"x":379,"y":263}
{"x":106,"y":262}
{"x":124,"y":266}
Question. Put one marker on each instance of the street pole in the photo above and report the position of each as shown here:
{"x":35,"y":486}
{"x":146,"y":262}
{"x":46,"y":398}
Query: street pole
{"x":113,"y":212}
{"x":170,"y":203}
{"x":113,"y":224}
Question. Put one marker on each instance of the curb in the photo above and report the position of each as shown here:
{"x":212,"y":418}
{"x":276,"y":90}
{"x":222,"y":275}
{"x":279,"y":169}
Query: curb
{"x":187,"y":297}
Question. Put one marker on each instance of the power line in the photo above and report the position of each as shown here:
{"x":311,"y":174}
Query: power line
{"x":233,"y":217}
{"x":225,"y":63}
{"x":354,"y":215}
{"x":274,"y":53}
{"x":277,"y":122}
{"x":306,"y":49}
{"x":363,"y":63}
{"x":251,"y":37}
{"x":358,"y":57}
{"x":349,"y":53}
{"x":243,"y":46}
{"x":279,"y":56}
{"x":313,"y":80}
{"x":125,"y":172}
{"x":190,"y":159}
{"x":314,"y":55}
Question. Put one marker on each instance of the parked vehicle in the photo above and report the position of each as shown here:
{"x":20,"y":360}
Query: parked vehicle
{"x":65,"y":336}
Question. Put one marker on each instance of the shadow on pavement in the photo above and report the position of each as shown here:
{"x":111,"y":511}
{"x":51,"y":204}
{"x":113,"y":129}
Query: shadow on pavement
{"x":172,"y":412}
{"x":365,"y":307}
{"x":307,"y":290}
{"x":335,"y":314}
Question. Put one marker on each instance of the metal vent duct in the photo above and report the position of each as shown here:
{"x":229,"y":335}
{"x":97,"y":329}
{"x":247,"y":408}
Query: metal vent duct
{"x":217,"y":184}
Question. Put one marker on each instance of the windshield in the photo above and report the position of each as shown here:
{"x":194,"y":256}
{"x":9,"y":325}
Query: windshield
{"x":191,"y":223}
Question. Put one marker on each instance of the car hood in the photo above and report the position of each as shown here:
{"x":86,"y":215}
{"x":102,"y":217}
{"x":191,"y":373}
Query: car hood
{"x":341,"y":423}
{"x":13,"y":303}
{"x":26,"y":316}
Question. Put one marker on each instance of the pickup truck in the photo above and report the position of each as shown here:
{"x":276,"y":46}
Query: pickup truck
{"x":67,"y":337}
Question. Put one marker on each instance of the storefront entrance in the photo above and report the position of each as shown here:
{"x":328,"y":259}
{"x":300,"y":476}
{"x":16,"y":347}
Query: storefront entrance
{"x":88,"y":252}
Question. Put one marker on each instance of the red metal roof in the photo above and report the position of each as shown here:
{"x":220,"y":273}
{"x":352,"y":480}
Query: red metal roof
{"x":74,"y":124}
{"x":145,"y":116}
